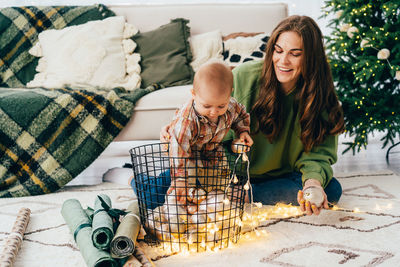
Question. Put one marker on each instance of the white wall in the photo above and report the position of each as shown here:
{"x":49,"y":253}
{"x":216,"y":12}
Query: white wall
{"x":310,"y":8}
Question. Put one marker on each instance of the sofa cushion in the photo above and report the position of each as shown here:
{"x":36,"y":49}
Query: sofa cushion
{"x":165,"y":54}
{"x":87,"y":55}
{"x":19,"y":29}
{"x":206,"y":46}
{"x":242,"y":47}
{"x":154,"y":111}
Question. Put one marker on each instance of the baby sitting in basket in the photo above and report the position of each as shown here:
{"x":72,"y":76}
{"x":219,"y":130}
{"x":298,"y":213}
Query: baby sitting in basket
{"x":198,"y":128}
{"x":199,"y":169}
{"x":198,"y":166}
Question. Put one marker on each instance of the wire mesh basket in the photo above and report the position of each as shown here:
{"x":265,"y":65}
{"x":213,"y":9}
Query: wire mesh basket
{"x":208,"y":214}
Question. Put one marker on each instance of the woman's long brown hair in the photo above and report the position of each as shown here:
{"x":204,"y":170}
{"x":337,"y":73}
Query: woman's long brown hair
{"x":316,"y":94}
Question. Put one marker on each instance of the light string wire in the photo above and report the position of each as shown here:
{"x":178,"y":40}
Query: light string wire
{"x":247,"y":185}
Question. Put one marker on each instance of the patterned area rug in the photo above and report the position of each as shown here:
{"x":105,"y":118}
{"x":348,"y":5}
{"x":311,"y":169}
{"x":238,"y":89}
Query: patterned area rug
{"x":363,"y":230}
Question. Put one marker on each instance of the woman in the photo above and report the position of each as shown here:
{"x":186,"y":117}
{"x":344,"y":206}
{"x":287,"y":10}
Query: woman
{"x":295,"y":116}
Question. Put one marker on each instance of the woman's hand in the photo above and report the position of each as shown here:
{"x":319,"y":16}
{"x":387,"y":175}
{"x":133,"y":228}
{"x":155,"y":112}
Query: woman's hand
{"x":164,"y":136}
{"x":306,"y":206}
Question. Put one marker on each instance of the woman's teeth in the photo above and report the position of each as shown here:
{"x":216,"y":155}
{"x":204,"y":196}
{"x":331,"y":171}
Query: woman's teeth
{"x":284,"y":69}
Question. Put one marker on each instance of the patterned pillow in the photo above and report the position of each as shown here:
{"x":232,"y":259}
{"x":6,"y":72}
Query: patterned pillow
{"x":242,"y":47}
{"x":19,"y":30}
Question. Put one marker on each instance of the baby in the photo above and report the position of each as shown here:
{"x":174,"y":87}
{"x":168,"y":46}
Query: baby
{"x":202,"y":123}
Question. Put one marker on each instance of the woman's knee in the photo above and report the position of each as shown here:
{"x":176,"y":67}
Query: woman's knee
{"x":333,"y":191}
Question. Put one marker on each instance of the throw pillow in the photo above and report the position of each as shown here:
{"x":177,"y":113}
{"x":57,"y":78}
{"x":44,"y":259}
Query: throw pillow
{"x":19,"y":30}
{"x":206,"y":46}
{"x":242,"y":47}
{"x":87,"y":55}
{"x":165,"y":54}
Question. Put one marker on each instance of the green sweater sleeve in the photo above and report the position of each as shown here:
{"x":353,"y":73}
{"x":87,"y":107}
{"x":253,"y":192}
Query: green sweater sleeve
{"x":316,"y":164}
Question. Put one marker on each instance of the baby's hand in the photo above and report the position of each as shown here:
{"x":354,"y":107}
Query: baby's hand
{"x":238,"y":145}
{"x":164,"y":136}
{"x":246,"y":139}
{"x":180,"y":188}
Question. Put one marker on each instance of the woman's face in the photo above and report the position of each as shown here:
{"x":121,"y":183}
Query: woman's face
{"x":287,"y":59}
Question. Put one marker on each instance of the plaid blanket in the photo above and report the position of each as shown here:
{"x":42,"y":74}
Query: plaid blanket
{"x":48,"y":136}
{"x":19,"y":30}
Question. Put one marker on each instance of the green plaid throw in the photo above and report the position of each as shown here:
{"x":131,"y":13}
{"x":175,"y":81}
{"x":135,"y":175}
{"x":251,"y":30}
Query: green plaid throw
{"x":48,"y":136}
{"x":19,"y":30}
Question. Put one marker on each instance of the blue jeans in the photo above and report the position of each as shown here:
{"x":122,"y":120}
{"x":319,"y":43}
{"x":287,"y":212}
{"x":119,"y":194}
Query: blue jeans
{"x":152,"y":190}
{"x":284,"y":189}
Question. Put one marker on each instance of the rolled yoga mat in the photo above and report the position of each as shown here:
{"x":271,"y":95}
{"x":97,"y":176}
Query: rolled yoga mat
{"x":102,"y":225}
{"x":123,"y":243}
{"x":14,"y":239}
{"x":80,"y":226}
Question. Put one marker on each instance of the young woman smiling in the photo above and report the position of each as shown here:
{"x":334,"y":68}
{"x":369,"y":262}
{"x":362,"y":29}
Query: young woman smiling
{"x":295,"y":116}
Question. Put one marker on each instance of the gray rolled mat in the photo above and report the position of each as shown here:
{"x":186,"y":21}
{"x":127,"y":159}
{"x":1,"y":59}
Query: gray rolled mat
{"x":102,"y":224}
{"x":123,"y":243}
{"x":80,"y":226}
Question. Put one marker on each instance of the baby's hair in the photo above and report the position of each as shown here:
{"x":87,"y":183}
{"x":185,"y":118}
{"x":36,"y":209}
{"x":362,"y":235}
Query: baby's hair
{"x":217,"y":73}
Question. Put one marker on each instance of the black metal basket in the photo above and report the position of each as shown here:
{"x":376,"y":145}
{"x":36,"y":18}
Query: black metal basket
{"x":214,"y":196}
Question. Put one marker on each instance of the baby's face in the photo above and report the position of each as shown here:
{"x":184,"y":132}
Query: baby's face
{"x":211,"y":105}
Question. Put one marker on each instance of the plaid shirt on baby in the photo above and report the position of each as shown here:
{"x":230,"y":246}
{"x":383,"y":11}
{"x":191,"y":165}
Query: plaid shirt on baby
{"x":189,"y":131}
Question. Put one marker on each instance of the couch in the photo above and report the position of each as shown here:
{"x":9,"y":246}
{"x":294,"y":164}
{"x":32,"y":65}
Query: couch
{"x":99,"y":51}
{"x":156,"y":109}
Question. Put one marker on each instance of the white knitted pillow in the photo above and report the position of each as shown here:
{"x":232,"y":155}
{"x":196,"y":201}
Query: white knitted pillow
{"x":97,"y":53}
{"x":205,"y":46}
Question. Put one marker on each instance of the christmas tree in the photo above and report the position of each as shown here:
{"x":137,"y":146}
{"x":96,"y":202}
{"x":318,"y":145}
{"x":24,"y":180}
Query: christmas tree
{"x":364,"y":54}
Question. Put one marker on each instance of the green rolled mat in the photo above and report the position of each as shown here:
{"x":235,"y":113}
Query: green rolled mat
{"x":102,"y":224}
{"x":123,"y":243}
{"x":80,"y":226}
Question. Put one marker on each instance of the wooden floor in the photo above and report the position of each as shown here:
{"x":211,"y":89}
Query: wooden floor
{"x":369,"y":160}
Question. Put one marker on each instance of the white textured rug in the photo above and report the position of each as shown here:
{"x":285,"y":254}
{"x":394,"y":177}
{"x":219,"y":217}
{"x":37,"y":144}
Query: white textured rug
{"x":363,"y":231}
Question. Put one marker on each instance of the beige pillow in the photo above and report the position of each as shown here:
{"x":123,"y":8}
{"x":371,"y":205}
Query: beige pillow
{"x":206,"y":46}
{"x":95,"y":54}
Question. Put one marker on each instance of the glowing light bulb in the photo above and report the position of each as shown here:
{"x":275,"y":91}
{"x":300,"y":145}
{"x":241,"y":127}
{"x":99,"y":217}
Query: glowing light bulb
{"x":246,"y":186}
{"x":235,"y":179}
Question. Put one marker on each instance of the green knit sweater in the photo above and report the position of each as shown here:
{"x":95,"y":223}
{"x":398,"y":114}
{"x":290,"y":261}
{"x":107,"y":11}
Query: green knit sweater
{"x":286,"y":153}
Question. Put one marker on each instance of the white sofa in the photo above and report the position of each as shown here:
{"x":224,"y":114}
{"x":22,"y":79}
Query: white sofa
{"x":157,"y":108}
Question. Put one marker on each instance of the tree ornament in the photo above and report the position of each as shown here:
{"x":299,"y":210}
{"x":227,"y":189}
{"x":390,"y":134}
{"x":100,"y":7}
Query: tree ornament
{"x":351,"y":31}
{"x":383,"y":53}
{"x":314,"y":195}
{"x":365,"y":43}
{"x":215,"y":201}
{"x":339,"y":13}
{"x":345,"y":27}
{"x":398,"y":75}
